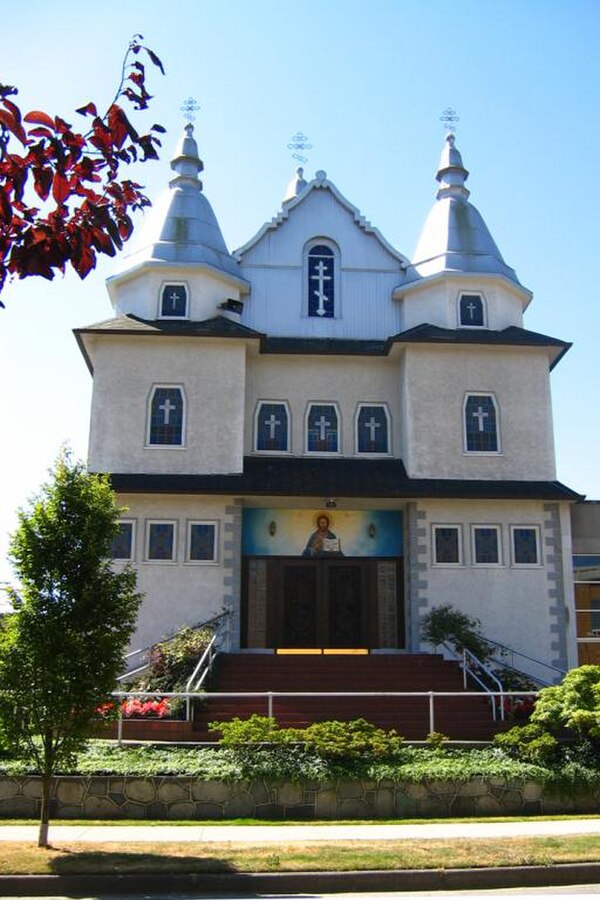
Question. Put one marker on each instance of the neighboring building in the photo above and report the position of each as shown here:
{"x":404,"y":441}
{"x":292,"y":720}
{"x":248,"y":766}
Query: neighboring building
{"x":585,"y":519}
{"x":326,"y":439}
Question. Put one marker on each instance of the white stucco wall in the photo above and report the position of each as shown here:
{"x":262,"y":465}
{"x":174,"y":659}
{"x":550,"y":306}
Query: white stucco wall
{"x":139,"y":294}
{"x":300,"y":380}
{"x":212,"y":374}
{"x":515,"y":604}
{"x":437,"y":302}
{"x":368,"y":273}
{"x":176,"y":593}
{"x":437,"y":378}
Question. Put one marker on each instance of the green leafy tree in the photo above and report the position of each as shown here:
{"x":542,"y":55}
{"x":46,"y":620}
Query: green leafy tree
{"x":572,"y":704}
{"x":62,"y":648}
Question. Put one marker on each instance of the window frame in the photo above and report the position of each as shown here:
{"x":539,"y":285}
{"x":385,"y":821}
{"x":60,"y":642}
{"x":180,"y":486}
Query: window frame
{"x":167,"y":284}
{"x":172,"y":387}
{"x":331,"y":453}
{"x":375,"y":454}
{"x":538,"y":547}
{"x":484,"y":316}
{"x":188,"y":548}
{"x":152,"y":560}
{"x":438,"y":526}
{"x":487,"y":395}
{"x":477,"y":526}
{"x":132,"y":553}
{"x":337,"y":294}
{"x":259,"y":405}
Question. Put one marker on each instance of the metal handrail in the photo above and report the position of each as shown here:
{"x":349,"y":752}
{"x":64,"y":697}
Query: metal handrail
{"x":539,"y":662}
{"x":271,"y":696}
{"x":468,"y":654}
{"x":205,"y":663}
{"x":472,"y":670}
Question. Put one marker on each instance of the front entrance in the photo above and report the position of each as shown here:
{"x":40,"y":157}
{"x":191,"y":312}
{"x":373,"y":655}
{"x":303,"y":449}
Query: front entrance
{"x":321,"y":603}
{"x":338,"y":603}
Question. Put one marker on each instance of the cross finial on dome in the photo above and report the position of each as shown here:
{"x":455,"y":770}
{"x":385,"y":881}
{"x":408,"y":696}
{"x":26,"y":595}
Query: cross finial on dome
{"x":188,"y":108}
{"x":449,"y":117}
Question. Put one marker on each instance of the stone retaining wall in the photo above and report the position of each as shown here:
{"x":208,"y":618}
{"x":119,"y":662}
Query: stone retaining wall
{"x":118,"y":797}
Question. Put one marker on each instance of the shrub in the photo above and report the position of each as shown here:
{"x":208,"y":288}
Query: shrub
{"x":529,"y":743}
{"x":242,"y":732}
{"x":445,"y":624}
{"x":171,"y":662}
{"x":328,"y":740}
{"x":573,"y":704}
{"x":351,"y":740}
{"x":436,"y":740}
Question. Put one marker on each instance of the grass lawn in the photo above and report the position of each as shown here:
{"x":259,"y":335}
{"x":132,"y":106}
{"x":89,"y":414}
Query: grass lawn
{"x":67,"y":857}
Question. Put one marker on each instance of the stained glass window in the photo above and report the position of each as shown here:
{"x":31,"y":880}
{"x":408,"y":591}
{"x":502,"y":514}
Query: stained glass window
{"x":202,"y":542}
{"x":122,"y":544}
{"x":486,"y":545}
{"x":166,"y":416}
{"x":446,"y":544}
{"x":471,"y":310}
{"x":480,"y":424}
{"x":321,"y":286}
{"x":372,"y":430}
{"x":272,"y":427}
{"x":322,"y":429}
{"x":161,"y":540}
{"x":173,"y":301}
{"x":525,"y":546}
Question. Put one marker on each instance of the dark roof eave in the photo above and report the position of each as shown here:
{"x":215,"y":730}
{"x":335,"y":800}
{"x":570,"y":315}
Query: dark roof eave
{"x":295,"y":477}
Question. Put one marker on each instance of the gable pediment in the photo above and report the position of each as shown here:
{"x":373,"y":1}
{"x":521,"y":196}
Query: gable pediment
{"x":320,"y":211}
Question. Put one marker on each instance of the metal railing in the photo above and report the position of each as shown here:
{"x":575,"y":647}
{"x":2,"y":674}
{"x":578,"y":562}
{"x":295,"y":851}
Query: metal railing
{"x":474,"y":668}
{"x":130,"y":673}
{"x":510,"y":652}
{"x":270,"y":697}
{"x":200,"y":673}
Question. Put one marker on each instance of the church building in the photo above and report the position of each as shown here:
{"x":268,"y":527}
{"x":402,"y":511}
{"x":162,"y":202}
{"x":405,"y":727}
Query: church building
{"x":320,"y":439}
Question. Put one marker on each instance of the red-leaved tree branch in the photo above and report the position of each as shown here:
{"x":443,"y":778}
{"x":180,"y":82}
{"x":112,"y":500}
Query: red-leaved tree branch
{"x":86,"y":205}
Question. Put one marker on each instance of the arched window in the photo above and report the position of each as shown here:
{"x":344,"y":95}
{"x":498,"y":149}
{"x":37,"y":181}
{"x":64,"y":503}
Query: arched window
{"x":321,"y":287}
{"x":167,"y":410}
{"x":272,"y":428}
{"x":471,"y":311}
{"x":372,"y":429}
{"x":323,"y":429}
{"x":481,"y":424}
{"x":173,"y":301}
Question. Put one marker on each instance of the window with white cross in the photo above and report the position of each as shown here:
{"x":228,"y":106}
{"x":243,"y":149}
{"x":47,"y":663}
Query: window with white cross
{"x":372,"y":429}
{"x":321,"y":282}
{"x":481,"y":424}
{"x":323,"y":429}
{"x":471,"y":311}
{"x":173,"y":301}
{"x":167,"y":409}
{"x":272,"y":428}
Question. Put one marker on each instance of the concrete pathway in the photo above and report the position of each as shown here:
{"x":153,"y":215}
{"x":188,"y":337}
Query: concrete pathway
{"x":280,"y":834}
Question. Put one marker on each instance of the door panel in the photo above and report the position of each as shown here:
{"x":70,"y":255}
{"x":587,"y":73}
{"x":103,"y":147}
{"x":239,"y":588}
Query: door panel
{"x":345,"y":626}
{"x":300,"y":606}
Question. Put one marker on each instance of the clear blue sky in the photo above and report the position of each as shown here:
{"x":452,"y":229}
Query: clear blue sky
{"x":367,"y":83}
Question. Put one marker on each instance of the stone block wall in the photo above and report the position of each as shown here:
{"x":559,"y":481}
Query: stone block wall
{"x":118,"y":797}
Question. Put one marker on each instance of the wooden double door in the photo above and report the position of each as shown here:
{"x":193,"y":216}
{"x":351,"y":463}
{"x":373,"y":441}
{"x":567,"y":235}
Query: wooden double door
{"x":328,"y":603}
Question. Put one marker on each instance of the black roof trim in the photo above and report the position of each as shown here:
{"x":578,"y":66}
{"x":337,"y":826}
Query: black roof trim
{"x":218,"y":326}
{"x":323,"y":346}
{"x":302,"y":477}
{"x":510,"y":336}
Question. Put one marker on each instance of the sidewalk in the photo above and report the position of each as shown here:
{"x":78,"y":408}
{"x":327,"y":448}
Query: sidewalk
{"x":281,"y":833}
